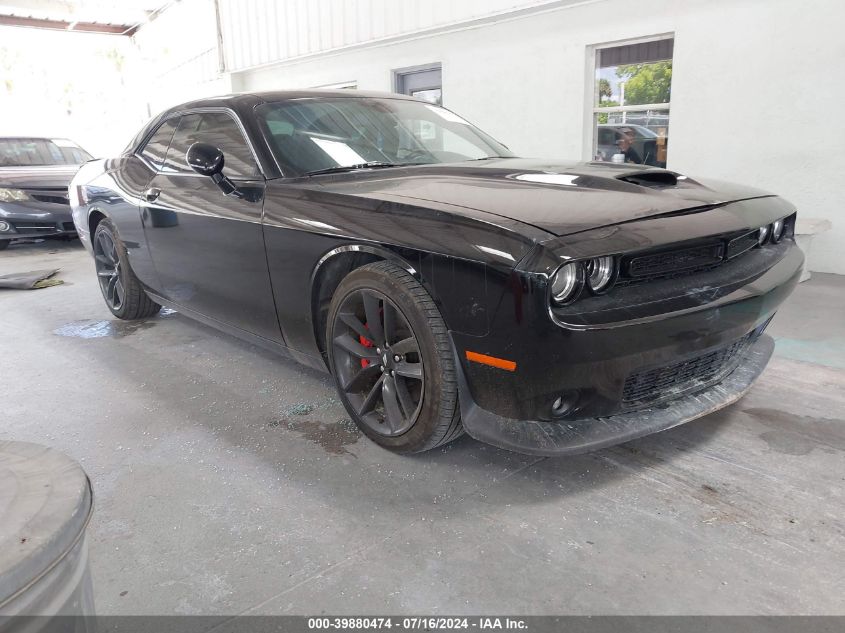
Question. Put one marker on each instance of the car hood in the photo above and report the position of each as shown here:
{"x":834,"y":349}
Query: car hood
{"x":48,"y":176}
{"x":558,"y":197}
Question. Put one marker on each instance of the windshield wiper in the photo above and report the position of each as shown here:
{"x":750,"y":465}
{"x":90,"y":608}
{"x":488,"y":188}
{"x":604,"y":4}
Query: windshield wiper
{"x":375,"y":164}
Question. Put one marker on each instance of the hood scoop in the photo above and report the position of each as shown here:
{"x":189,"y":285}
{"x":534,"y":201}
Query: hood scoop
{"x":652,"y":179}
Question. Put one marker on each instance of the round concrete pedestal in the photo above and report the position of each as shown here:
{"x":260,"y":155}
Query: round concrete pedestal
{"x":45,"y":505}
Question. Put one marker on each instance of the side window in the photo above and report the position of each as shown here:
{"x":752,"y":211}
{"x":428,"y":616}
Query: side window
{"x":155,"y":149}
{"x":215,"y":128}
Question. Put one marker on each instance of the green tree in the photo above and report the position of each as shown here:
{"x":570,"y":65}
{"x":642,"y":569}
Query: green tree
{"x":605,"y":91}
{"x":602,"y":116}
{"x":646,"y":83}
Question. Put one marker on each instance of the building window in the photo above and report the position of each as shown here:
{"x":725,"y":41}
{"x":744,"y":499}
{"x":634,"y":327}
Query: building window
{"x":630,"y":113}
{"x":422,"y":82}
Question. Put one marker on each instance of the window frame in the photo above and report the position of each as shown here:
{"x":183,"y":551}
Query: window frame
{"x":201,"y":110}
{"x":591,"y":94}
{"x":398,"y":76}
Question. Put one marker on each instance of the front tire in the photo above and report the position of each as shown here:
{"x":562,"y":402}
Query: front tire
{"x":4,"y":244}
{"x":391,"y":358}
{"x":122,"y":291}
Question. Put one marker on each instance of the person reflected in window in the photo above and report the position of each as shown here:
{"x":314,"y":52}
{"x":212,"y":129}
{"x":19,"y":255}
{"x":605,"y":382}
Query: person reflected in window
{"x":625,"y":143}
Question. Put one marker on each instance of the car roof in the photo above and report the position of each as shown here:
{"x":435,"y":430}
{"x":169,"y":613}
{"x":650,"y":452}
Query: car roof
{"x":256,"y":98}
{"x":29,"y":137}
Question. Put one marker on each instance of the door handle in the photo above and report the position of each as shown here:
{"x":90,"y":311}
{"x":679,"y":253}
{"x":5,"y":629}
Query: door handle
{"x":152,"y":194}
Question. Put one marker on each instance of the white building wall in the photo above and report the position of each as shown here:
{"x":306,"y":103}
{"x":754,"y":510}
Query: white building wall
{"x":755,"y":87}
{"x":176,"y":57}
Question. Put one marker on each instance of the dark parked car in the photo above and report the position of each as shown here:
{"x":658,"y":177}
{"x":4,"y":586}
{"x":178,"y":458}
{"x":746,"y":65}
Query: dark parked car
{"x":543,"y":306}
{"x":644,"y":142}
{"x":34,"y":177}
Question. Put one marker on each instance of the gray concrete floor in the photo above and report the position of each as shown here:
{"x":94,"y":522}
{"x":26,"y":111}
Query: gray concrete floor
{"x":230,"y":481}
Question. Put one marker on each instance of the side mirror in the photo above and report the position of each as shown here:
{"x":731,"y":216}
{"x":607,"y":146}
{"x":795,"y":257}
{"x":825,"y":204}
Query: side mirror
{"x":205,"y":159}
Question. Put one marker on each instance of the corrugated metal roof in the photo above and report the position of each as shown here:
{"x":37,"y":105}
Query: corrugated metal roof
{"x":90,"y":16}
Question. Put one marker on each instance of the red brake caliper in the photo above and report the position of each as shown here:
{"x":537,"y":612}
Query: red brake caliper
{"x":365,"y":343}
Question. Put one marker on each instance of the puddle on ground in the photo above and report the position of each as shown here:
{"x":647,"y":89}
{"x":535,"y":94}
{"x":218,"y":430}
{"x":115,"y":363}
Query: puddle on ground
{"x":793,"y":434}
{"x":102,"y":329}
{"x":333,"y":437}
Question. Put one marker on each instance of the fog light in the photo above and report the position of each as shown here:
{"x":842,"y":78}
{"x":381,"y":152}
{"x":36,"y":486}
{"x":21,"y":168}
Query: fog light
{"x":4,"y":226}
{"x":763,"y":235}
{"x":777,"y":231}
{"x":564,"y":403}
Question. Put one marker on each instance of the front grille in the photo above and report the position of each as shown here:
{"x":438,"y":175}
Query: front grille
{"x":652,"y":265}
{"x":683,"y":376}
{"x":740,"y":245}
{"x":35,"y":227}
{"x":53,"y":195}
{"x":52,"y":199}
{"x":670,"y":263}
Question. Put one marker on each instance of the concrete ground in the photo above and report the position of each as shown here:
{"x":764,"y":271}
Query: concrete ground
{"x":229,"y":481}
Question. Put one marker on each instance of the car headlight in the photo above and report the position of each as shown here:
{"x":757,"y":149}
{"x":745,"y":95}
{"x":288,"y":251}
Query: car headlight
{"x":5,"y":226}
{"x":13,"y":195}
{"x":763,"y":234}
{"x":777,"y":230}
{"x":600,"y":273}
{"x":567,"y":283}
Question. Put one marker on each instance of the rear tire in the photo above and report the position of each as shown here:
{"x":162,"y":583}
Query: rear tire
{"x":392,"y":361}
{"x":123,"y":293}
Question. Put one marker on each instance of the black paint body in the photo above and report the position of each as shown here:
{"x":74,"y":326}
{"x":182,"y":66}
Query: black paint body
{"x":482,"y":237}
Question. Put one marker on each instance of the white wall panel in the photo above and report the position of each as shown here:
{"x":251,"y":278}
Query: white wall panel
{"x":259,"y":32}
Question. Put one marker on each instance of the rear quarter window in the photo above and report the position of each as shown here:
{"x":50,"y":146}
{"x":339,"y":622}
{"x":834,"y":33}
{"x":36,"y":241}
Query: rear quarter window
{"x":154,"y":150}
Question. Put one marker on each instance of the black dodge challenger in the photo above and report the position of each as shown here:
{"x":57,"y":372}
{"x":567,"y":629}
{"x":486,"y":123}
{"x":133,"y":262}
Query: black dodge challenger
{"x":547,"y":307}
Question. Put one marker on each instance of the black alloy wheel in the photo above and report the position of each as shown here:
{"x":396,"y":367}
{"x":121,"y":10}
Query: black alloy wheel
{"x":109,"y":274}
{"x":378,"y":362}
{"x":123,"y":293}
{"x":392,"y":360}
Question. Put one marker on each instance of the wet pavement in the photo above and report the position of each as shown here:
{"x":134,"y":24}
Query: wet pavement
{"x":228,"y":480}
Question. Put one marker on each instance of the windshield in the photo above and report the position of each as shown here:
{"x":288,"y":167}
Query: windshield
{"x":325,"y":134}
{"x":29,"y":152}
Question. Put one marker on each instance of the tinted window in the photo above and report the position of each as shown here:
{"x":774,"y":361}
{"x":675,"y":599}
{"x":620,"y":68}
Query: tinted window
{"x":218,"y":129}
{"x":156,"y":148}
{"x":20,"y":152}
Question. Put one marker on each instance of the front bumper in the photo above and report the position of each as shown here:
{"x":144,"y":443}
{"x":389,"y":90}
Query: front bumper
{"x":548,"y":438}
{"x":29,"y":220}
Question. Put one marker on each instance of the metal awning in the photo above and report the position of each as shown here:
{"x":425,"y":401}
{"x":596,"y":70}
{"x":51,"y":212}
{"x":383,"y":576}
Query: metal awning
{"x":124,"y":17}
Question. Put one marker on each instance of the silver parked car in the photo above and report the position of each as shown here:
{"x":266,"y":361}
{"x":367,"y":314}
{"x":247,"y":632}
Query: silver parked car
{"x":34,"y":177}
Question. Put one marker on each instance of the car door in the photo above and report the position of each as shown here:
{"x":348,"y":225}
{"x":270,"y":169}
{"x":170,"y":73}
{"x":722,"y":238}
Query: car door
{"x":129,"y":182}
{"x":208,"y":247}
